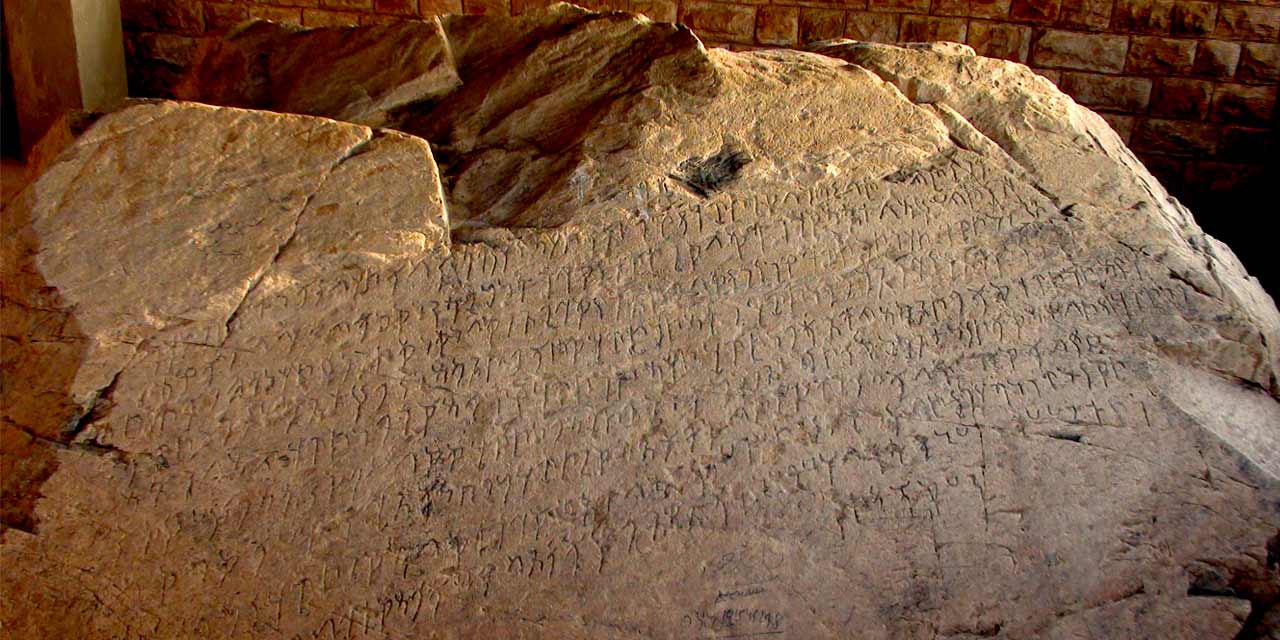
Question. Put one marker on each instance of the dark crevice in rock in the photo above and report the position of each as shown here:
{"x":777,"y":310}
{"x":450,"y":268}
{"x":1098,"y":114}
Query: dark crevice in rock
{"x":1195,"y":287}
{"x":1069,"y":437}
{"x":1250,"y":578}
{"x":98,"y":408}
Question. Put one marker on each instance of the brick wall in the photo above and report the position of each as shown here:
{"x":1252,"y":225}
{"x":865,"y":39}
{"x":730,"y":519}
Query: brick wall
{"x":1190,"y":84}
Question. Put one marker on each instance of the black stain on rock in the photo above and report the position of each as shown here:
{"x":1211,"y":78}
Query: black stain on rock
{"x":705,"y":176}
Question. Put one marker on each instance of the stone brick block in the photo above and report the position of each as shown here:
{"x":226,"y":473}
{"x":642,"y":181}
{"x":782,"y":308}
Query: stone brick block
{"x":778,"y":25}
{"x":439,"y":7}
{"x":872,"y":27}
{"x":1182,"y":98}
{"x":1243,"y":22}
{"x":821,"y":24}
{"x":285,"y":15}
{"x":1162,"y":56}
{"x":856,"y":5}
{"x":1111,"y":93}
{"x":486,"y":7}
{"x":1243,"y":144}
{"x":348,"y":5}
{"x":220,"y":16}
{"x":658,"y":10}
{"x":1092,"y":15}
{"x":1052,"y":75}
{"x":1194,"y":18}
{"x":932,"y":29}
{"x":907,"y":6}
{"x":169,"y":48}
{"x":397,"y":7}
{"x":1123,"y":125}
{"x":601,"y":5}
{"x":1037,"y":11}
{"x":184,"y":17}
{"x":1081,"y":51}
{"x":325,"y":18}
{"x":1216,"y":59}
{"x":379,"y":18}
{"x":1000,"y":40}
{"x":1259,"y":63}
{"x":1243,"y":104}
{"x":1142,"y":16}
{"x":971,"y":8}
{"x":518,"y":7}
{"x":1175,"y":137}
{"x":735,"y":23}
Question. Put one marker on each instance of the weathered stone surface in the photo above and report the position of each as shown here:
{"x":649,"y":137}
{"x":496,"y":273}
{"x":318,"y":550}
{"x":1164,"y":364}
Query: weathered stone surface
{"x":1194,"y":18}
{"x":224,"y":16}
{"x":1094,"y":15}
{"x":1086,"y":52}
{"x":248,"y":187}
{"x":1111,"y":93}
{"x":888,"y":342}
{"x":1244,"y":104}
{"x":1122,"y":124}
{"x":996,"y":40}
{"x":1164,"y":56}
{"x":778,"y":25}
{"x":909,"y":6}
{"x":660,"y":10}
{"x":1142,"y":16}
{"x":734,"y":23}
{"x":1216,"y":59}
{"x":821,"y":24}
{"x":869,"y":26}
{"x":1260,"y":62}
{"x":324,"y":18}
{"x":1248,"y":23}
{"x":931,"y":29}
{"x":1178,"y":137}
{"x":1041,"y":11}
{"x":1182,"y":98}
{"x":971,"y":8}
{"x":357,"y":74}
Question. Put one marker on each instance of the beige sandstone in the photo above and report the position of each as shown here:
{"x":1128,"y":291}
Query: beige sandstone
{"x":625,"y":338}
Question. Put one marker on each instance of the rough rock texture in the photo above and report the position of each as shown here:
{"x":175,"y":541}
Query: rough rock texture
{"x":352,"y":74}
{"x":887,"y":342}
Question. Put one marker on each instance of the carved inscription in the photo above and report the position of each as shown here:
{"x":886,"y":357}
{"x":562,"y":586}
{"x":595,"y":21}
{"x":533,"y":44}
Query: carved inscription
{"x":826,"y":390}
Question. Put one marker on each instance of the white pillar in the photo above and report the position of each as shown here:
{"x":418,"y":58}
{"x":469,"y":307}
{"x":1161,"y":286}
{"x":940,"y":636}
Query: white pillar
{"x":64,"y":55}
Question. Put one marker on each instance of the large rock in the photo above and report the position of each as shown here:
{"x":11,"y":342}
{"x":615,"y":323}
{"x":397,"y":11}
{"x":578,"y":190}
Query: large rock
{"x":357,"y":74}
{"x":889,"y":342}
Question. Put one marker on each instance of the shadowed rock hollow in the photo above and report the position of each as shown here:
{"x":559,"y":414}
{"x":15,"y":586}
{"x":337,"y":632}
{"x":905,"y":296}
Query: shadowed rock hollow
{"x":873,"y":341}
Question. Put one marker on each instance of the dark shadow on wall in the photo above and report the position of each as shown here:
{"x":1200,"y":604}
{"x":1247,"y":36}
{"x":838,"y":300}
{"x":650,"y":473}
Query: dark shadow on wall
{"x":1243,"y":211}
{"x":9,"y":146}
{"x":1234,"y":194}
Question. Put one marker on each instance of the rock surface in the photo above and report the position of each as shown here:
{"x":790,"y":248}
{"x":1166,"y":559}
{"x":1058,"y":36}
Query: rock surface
{"x":876,"y":342}
{"x":346,"y":73}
